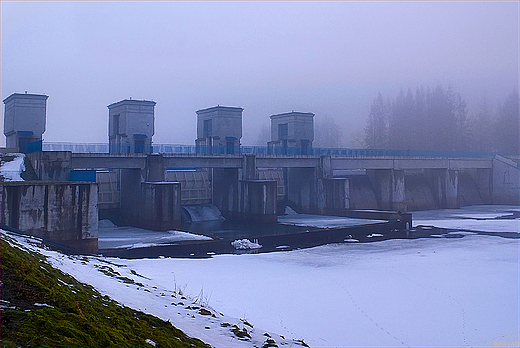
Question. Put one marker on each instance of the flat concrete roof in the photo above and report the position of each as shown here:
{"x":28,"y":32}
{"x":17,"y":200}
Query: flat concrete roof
{"x":25,"y":95}
{"x":220,"y":107}
{"x":131,"y":101}
{"x":293,"y":113}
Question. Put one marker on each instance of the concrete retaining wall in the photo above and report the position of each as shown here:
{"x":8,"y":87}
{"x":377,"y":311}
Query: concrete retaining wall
{"x":257,"y":201}
{"x":160,"y":208}
{"x":506,"y":181}
{"x":64,"y":212}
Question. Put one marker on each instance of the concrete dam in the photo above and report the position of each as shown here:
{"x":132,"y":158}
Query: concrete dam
{"x":135,"y":182}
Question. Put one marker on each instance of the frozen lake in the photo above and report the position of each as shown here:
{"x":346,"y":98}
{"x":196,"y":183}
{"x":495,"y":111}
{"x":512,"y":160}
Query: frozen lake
{"x":408,"y":292}
{"x":112,"y":236}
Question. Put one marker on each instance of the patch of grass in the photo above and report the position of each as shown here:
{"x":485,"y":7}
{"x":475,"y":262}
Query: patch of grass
{"x":43,"y":307}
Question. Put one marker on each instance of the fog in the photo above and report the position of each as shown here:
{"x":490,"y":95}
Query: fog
{"x":329,"y":58}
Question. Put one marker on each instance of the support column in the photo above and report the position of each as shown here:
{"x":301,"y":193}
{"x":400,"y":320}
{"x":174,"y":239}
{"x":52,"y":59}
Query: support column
{"x":398,"y":191}
{"x":303,"y":188}
{"x":160,"y":208}
{"x":452,"y":189}
{"x":155,"y":168}
{"x":130,"y":186}
{"x":484,"y":180}
{"x":336,"y":196}
{"x":389,"y":188}
{"x":444,"y":184}
{"x":258,"y":201}
{"x":225,"y":190}
{"x":249,"y":171}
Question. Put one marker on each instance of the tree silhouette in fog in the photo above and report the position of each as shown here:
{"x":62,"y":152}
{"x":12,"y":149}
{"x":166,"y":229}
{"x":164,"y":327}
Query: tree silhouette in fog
{"x":438,"y":120}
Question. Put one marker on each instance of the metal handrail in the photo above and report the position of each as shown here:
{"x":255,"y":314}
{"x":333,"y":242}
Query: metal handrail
{"x":261,"y":150}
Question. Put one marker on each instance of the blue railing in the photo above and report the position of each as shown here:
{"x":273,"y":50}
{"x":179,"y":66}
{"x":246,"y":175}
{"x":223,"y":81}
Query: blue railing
{"x":261,"y":150}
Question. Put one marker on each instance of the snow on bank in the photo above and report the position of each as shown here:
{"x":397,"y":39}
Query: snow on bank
{"x":167,"y":299}
{"x":424,"y":292}
{"x":12,"y":170}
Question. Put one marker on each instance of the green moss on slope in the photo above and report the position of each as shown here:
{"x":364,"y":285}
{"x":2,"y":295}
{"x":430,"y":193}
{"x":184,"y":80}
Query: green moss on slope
{"x":43,"y":307}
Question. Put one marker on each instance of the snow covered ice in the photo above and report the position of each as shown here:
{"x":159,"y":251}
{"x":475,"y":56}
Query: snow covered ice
{"x":12,"y":170}
{"x":112,"y":236}
{"x":411,"y":292}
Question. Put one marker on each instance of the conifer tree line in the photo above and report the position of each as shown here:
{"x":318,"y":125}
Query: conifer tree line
{"x":437,"y":119}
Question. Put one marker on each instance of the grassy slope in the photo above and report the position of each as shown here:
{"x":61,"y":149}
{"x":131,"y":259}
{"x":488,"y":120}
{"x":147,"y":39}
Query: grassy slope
{"x":43,"y":307}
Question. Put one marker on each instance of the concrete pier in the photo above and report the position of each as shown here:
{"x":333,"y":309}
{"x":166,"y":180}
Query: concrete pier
{"x":225,"y":195}
{"x":389,"y":188}
{"x":257,"y":201}
{"x":506,"y":181}
{"x":444,"y":183}
{"x":160,"y":206}
{"x":151,"y":205}
{"x":335,"y":196}
{"x":63,"y":212}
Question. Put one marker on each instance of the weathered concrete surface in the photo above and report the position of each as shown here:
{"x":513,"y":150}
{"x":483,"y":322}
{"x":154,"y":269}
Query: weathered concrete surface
{"x":302,"y":188}
{"x":160,"y":208}
{"x":395,"y":183}
{"x":150,"y":205}
{"x":362,"y":193}
{"x":334,"y":197}
{"x":389,"y":189}
{"x":506,"y":181}
{"x":418,"y":191}
{"x":155,"y":168}
{"x":63,"y":212}
{"x":257,"y":201}
{"x":225,"y":190}
{"x":52,"y":165}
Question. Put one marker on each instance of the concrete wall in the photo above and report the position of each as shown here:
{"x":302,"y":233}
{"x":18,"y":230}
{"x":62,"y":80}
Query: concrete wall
{"x":63,"y":212}
{"x":334,"y":195}
{"x":506,"y":181}
{"x":225,"y":189}
{"x":302,"y":188}
{"x":389,"y":189}
{"x":475,"y":186}
{"x":160,"y":206}
{"x":51,"y":165}
{"x":257,"y":201}
{"x":151,"y":205}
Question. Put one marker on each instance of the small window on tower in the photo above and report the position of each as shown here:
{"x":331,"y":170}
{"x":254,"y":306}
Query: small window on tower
{"x":116,"y":124}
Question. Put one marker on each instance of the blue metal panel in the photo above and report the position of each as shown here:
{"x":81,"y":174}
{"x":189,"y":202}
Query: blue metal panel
{"x":83,"y":175}
{"x":25,"y":133}
{"x":34,"y":147}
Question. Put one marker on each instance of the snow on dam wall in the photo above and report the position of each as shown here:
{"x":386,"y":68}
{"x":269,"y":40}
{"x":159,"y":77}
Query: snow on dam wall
{"x":61,"y":211}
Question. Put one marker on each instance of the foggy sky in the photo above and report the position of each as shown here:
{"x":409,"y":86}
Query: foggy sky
{"x":329,"y":58}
